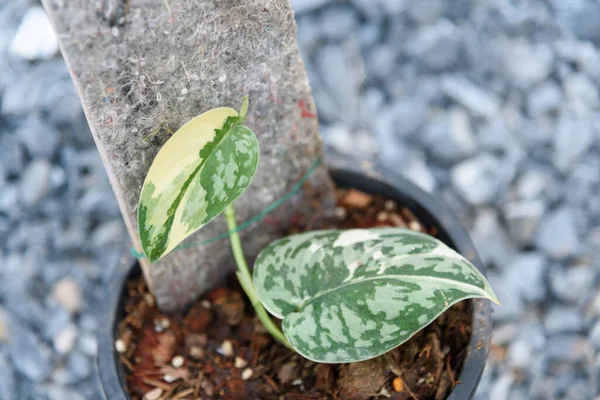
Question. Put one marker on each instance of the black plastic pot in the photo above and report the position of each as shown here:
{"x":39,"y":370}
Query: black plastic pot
{"x":430,"y":211}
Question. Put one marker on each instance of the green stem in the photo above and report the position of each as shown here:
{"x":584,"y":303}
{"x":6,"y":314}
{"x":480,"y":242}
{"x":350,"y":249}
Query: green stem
{"x":245,"y":278}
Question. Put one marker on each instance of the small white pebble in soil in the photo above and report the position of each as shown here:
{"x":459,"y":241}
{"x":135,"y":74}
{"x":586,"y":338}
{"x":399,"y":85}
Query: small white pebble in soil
{"x":414,"y":225}
{"x":161,"y":324}
{"x":184,"y":91}
{"x":177,"y":361}
{"x":154,"y":394}
{"x":149,"y":299}
{"x":197,"y":352}
{"x":247,"y":374}
{"x":382,"y":216}
{"x":226,"y":348}
{"x":340,"y":212}
{"x":206,"y":304}
{"x":120,"y":346}
{"x":297,"y":382}
{"x":222,"y":78}
{"x":240,"y":362}
{"x":390,"y":205}
{"x":169,"y":378}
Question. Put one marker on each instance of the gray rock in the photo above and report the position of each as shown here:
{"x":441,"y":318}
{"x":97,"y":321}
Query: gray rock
{"x":583,"y":19}
{"x":573,"y":283}
{"x":40,"y":139}
{"x":520,"y":354}
{"x":381,"y":62}
{"x":8,"y":385}
{"x":512,"y":305}
{"x":30,"y":356}
{"x":544,"y":98}
{"x":595,"y":334}
{"x":41,"y":88}
{"x":533,"y":334}
{"x":342,"y":78}
{"x":369,"y":9}
{"x":568,"y":347}
{"x":449,"y":137}
{"x":474,"y":98}
{"x":492,"y":241}
{"x":505,"y":333}
{"x":583,"y":54}
{"x":58,"y":321}
{"x":531,"y":185}
{"x":79,"y":366}
{"x":100,"y":203}
{"x":55,"y":392}
{"x":426,"y":11}
{"x":415,"y":169}
{"x":109,"y":233}
{"x":392,"y":7}
{"x":522,"y":219}
{"x":500,"y":389}
{"x":303,"y":6}
{"x":582,"y":93}
{"x":338,"y":22}
{"x":572,"y":139}
{"x":400,"y":119}
{"x":561,"y":319}
{"x":35,"y":39}
{"x":524,"y":63}
{"x":495,"y":135}
{"x":369,"y":34}
{"x":534,"y":134}
{"x":88,"y":344}
{"x":339,"y":137}
{"x":557,"y":234}
{"x":526,"y":274}
{"x":437,"y":46}
{"x":579,"y":389}
{"x":11,"y":154}
{"x":478,"y":179}
{"x":35,"y":182}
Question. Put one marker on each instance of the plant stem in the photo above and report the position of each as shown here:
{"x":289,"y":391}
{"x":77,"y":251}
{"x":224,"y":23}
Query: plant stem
{"x":245,"y":278}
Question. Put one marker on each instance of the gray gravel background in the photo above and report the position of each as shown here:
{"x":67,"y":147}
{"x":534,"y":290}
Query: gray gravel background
{"x":493,"y":105}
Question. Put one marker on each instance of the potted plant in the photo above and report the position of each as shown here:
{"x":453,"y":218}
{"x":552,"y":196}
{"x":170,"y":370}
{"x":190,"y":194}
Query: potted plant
{"x":338,"y":302}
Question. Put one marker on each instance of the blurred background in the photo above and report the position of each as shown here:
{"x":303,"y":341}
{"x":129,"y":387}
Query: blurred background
{"x":492,"y":105}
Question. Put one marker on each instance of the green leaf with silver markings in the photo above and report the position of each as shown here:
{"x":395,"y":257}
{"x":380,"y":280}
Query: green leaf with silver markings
{"x":205,"y":166}
{"x":348,"y":296}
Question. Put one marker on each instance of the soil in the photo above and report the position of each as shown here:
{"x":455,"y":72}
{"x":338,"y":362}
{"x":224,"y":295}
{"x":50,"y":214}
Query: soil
{"x":218,"y":349}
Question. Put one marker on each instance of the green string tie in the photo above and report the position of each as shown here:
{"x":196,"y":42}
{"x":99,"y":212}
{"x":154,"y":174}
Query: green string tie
{"x":295,"y":189}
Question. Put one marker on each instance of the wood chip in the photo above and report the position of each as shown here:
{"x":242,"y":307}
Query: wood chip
{"x":183,"y":394}
{"x":163,"y":352}
{"x":154,"y":394}
{"x":356,"y":199}
{"x":397,"y":220}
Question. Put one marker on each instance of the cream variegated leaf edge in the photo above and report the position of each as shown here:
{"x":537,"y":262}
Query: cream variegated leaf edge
{"x":205,"y":166}
{"x":348,"y":296}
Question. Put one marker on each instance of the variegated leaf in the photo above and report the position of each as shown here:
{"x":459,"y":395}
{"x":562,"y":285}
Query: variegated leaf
{"x":207,"y":164}
{"x":347,"y":296}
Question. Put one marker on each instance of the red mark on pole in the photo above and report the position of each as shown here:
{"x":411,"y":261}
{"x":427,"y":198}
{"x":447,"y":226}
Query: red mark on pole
{"x":305,"y":112}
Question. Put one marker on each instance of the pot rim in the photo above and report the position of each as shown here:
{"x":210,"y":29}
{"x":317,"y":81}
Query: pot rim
{"x":387,"y":183}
